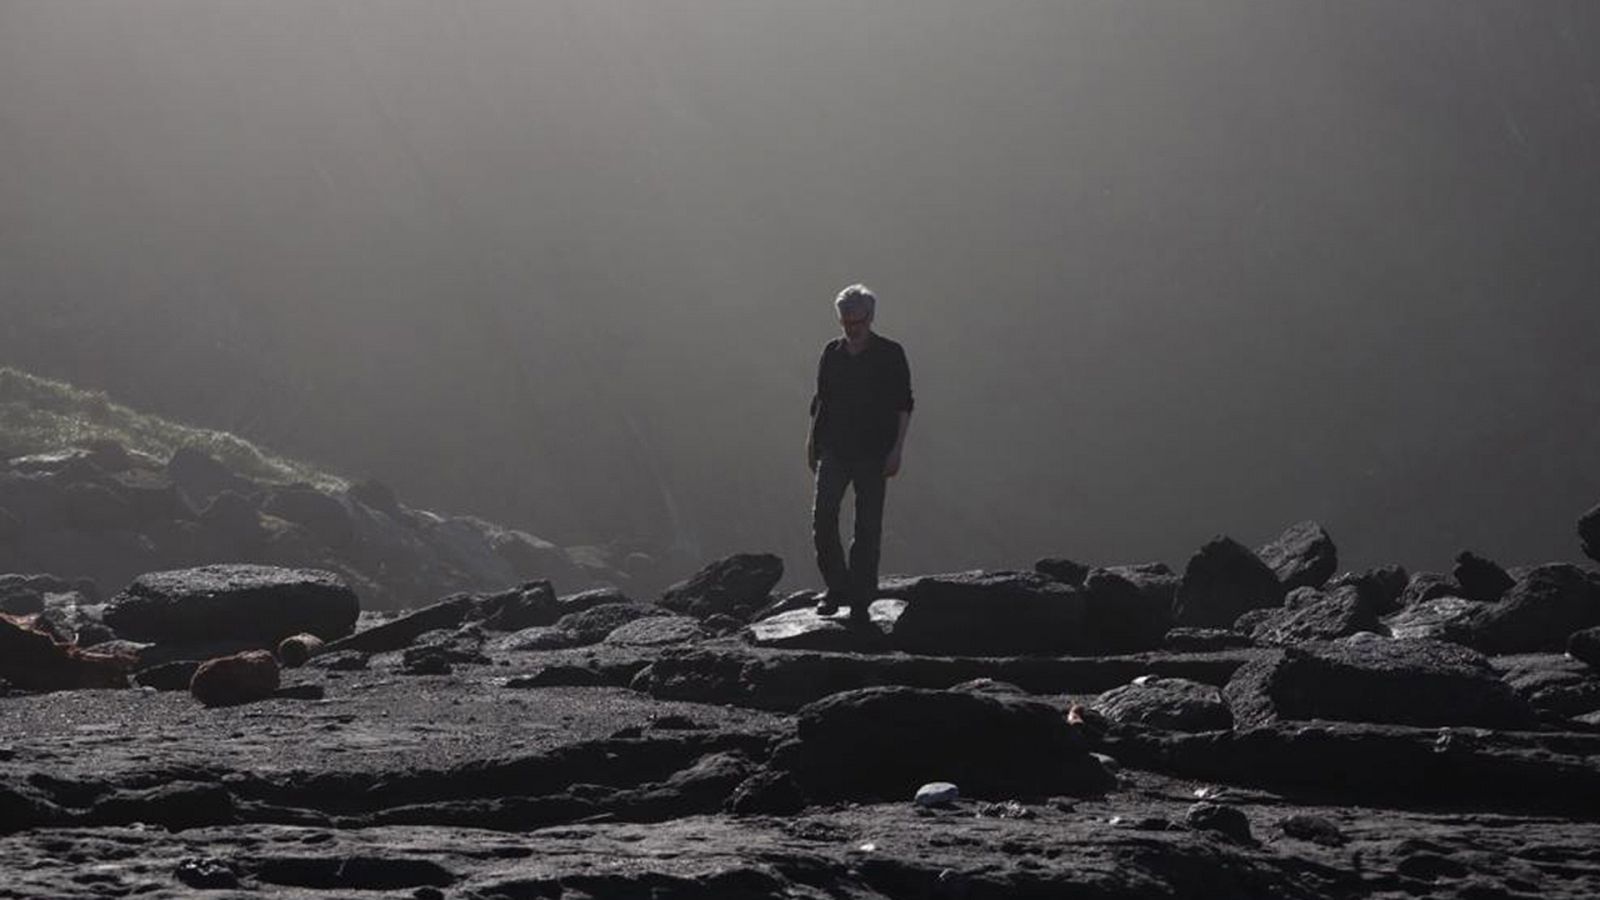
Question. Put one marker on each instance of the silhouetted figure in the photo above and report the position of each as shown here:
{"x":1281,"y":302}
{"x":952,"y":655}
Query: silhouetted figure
{"x":859,"y":418}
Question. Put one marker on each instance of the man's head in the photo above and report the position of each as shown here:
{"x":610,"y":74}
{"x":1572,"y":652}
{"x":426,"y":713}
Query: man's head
{"x":856,"y":305}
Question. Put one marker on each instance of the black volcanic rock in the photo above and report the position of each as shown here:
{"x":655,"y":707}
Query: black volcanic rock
{"x":1552,"y":682}
{"x":1589,"y":533}
{"x":230,"y":520}
{"x":1425,"y":586}
{"x":592,"y":625}
{"x":1480,"y":578}
{"x":241,"y":602}
{"x":1122,"y":615}
{"x":202,"y":477}
{"x":1303,"y":556}
{"x":1204,"y":640}
{"x":402,"y":632}
{"x":531,"y":604}
{"x":1063,"y":570}
{"x":1385,"y":584}
{"x":991,"y":614}
{"x":322,"y":515}
{"x":657,"y":631}
{"x":886,"y":742}
{"x":1174,"y":704}
{"x":1403,"y":682}
{"x":737,"y":586}
{"x":1585,"y":646}
{"x":1539,"y":612}
{"x":1221,"y":582}
{"x":1309,"y":615}
{"x":1443,"y":618}
{"x":767,"y":793}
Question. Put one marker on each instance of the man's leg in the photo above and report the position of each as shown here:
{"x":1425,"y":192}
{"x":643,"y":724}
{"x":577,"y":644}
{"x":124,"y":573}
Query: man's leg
{"x":865,"y":547}
{"x":832,"y":478}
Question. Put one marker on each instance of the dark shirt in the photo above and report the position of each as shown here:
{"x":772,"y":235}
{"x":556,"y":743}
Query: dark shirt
{"x":855,"y":413}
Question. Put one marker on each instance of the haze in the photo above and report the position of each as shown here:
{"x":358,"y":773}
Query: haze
{"x":1163,"y":270}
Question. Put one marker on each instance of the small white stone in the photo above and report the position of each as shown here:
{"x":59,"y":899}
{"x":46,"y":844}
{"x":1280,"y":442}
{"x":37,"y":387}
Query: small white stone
{"x":937,"y":793}
{"x":1143,"y":680}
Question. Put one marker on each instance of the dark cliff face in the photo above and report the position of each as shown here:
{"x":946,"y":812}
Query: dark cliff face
{"x":568,"y":269}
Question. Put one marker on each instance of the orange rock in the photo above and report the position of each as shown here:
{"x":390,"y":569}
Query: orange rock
{"x":231,"y":680}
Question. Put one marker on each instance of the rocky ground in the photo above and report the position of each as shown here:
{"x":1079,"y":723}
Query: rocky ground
{"x":1251,"y":727}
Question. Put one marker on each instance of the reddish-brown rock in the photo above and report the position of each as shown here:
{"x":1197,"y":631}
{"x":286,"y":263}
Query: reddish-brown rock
{"x":231,"y":680}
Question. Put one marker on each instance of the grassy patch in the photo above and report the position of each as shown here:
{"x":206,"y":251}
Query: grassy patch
{"x":38,"y":415}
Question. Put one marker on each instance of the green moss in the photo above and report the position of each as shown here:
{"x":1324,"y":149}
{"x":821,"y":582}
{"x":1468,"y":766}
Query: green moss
{"x":38,"y":415}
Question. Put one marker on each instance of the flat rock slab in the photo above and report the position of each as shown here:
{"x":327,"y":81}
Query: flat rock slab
{"x":225,"y":602}
{"x":1174,"y":704}
{"x":804,"y":629}
{"x":369,"y":722}
{"x":657,"y":631}
{"x":1402,"y":682}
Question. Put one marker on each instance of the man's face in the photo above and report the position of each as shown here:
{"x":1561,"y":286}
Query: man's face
{"x":855,"y":326}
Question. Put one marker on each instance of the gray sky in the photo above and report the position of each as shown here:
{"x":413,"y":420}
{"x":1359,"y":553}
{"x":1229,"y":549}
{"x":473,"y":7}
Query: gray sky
{"x":1162,"y":270}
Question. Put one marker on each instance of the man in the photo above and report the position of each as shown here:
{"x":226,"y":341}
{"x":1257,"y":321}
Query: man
{"x":859,"y":418}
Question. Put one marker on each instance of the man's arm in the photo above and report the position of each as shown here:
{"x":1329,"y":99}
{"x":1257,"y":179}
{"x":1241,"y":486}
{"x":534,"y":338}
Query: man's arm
{"x":816,"y":408}
{"x":891,"y":466}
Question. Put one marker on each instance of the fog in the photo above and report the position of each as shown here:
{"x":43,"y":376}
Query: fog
{"x":1162,"y":270}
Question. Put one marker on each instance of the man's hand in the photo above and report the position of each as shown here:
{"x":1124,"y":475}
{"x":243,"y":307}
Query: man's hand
{"x":891,"y":466}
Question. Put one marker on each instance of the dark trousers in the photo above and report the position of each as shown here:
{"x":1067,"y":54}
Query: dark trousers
{"x":857,"y":582}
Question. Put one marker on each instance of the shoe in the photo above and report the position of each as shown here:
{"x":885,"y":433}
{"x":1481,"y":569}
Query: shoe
{"x":858,"y":620}
{"x":826,"y":607}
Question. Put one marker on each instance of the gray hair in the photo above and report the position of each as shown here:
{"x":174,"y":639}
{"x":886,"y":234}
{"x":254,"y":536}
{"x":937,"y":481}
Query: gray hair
{"x":857,"y":298}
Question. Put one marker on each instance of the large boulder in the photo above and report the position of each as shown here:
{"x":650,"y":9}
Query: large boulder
{"x":1309,"y":614}
{"x":327,"y":520}
{"x":1539,"y":612}
{"x":1122,"y":614}
{"x":1399,"y":682}
{"x":991,"y":614}
{"x":1442,"y":618}
{"x":1172,"y":704}
{"x":233,"y":602}
{"x":1480,"y":578}
{"x":1221,"y":582}
{"x":735,"y":586}
{"x":201,"y":477}
{"x":1384,"y":583}
{"x":1589,"y":533}
{"x":885,"y":742}
{"x":1303,"y":556}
